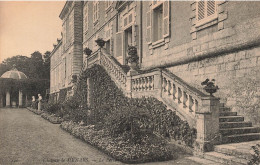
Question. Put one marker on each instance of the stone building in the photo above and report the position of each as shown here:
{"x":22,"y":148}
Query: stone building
{"x":66,"y":57}
{"x":179,"y":44}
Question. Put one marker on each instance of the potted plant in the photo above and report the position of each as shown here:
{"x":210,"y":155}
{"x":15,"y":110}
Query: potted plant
{"x":74,"y":78}
{"x":100,"y":42}
{"x":132,"y":58}
{"x":87,"y":51}
{"x":210,"y":86}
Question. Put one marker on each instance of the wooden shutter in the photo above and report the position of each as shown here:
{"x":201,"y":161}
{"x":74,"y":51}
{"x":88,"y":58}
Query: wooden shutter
{"x":119,"y":44}
{"x":200,"y":10}
{"x":166,"y":18}
{"x":149,"y":26}
{"x":211,"y":8}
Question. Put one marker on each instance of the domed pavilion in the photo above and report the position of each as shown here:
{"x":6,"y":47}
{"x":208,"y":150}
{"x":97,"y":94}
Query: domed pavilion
{"x":12,"y":92}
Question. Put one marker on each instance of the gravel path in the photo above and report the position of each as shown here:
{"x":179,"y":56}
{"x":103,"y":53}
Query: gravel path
{"x":28,"y":139}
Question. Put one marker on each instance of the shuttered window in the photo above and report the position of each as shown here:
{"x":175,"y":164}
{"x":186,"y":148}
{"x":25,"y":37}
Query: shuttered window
{"x":95,"y":11}
{"x":206,"y":11}
{"x":86,"y":17}
{"x":158,"y":21}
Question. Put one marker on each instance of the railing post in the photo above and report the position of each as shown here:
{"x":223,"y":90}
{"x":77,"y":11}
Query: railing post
{"x":129,"y":86}
{"x":207,"y":124}
{"x":158,"y":82}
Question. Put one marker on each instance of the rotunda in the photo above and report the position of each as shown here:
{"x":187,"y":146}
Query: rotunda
{"x":12,"y":95}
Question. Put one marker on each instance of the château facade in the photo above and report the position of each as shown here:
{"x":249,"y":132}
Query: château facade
{"x":179,"y":44}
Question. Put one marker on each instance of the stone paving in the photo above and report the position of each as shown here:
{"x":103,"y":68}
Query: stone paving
{"x":26,"y":138}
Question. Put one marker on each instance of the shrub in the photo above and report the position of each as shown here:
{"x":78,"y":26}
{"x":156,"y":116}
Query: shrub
{"x":119,"y":112}
{"x":153,"y":148}
{"x":256,"y":156}
{"x":130,"y":122}
{"x":52,"y":108}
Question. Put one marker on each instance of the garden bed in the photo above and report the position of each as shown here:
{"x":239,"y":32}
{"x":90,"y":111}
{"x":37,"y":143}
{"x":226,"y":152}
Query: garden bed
{"x":36,"y":111}
{"x":52,"y":118}
{"x":118,"y":148}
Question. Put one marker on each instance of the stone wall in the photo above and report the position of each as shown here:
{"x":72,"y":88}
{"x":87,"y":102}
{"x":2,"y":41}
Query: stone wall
{"x":236,"y":74}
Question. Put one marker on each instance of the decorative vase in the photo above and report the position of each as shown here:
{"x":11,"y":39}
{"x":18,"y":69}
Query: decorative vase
{"x":211,"y":89}
{"x":100,"y":42}
{"x":87,"y":51}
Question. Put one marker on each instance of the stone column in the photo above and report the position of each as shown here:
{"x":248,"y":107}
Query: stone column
{"x":207,"y":124}
{"x":20,"y":99}
{"x":8,"y":99}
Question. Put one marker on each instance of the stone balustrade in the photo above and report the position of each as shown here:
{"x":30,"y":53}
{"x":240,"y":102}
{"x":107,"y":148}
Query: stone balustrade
{"x":201,"y":111}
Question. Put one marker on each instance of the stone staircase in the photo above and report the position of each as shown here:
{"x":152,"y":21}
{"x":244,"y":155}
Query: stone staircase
{"x":238,"y":138}
{"x":234,"y":129}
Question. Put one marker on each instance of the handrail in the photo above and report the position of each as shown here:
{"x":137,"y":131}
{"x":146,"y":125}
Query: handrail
{"x":115,"y":70}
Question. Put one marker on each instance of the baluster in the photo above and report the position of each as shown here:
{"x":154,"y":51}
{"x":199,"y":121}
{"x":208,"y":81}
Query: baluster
{"x":169,"y":87}
{"x":146,"y":83}
{"x":149,"y":82}
{"x":152,"y":82}
{"x":185,"y":98}
{"x":164,"y":84}
{"x":196,"y":106}
{"x":179,"y":95}
{"x":143,"y":83}
{"x":190,"y":103}
{"x":137,"y":84}
{"x":174,"y":91}
{"x":133,"y":85}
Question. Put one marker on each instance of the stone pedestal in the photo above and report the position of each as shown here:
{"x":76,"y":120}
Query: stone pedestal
{"x":8,"y":99}
{"x":207,"y":125}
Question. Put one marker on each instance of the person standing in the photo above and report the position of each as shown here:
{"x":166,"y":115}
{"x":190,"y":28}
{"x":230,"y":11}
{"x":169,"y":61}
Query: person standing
{"x":39,"y":101}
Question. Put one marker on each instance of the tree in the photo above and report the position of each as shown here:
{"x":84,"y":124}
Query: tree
{"x":21,"y":63}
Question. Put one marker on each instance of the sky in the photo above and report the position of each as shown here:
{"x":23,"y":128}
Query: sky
{"x":29,"y":26}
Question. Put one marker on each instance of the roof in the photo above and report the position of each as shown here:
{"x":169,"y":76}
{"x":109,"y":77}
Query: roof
{"x":14,"y":74}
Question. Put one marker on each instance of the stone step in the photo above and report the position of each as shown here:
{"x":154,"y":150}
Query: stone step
{"x":223,"y":125}
{"x":242,"y":130}
{"x":233,"y":152}
{"x":240,"y":138}
{"x":224,"y":159}
{"x":240,"y":150}
{"x":231,"y":118}
{"x":202,"y":161}
{"x":228,"y":114}
{"x":224,"y":109}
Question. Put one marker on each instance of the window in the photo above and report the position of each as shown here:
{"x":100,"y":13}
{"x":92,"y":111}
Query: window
{"x":86,"y":17}
{"x":206,"y":11}
{"x":95,"y":11}
{"x":158,"y":21}
{"x":108,"y":3}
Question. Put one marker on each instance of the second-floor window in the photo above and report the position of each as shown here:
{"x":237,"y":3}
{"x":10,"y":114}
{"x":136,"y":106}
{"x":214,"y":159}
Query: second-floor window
{"x":108,"y":3}
{"x":158,"y":21}
{"x":206,"y":11}
{"x":85,"y":17}
{"x":95,"y":11}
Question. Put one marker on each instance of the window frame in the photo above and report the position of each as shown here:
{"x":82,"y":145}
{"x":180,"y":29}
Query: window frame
{"x":95,"y":11}
{"x":206,"y":18}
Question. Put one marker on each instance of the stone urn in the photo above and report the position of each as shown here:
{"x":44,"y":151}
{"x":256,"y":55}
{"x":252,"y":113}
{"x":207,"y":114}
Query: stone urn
{"x":87,"y":51}
{"x":210,"y":86}
{"x":100,"y":42}
{"x":132,"y":58}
